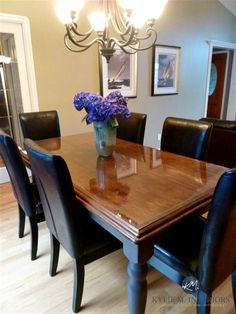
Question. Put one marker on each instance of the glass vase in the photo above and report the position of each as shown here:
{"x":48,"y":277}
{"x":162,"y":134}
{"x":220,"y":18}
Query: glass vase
{"x":105,"y":138}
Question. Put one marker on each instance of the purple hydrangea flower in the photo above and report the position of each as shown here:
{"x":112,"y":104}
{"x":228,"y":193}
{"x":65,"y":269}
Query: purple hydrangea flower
{"x":100,"y":108}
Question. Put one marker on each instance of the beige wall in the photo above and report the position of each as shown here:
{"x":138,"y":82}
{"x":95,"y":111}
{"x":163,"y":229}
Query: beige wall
{"x":61,"y":73}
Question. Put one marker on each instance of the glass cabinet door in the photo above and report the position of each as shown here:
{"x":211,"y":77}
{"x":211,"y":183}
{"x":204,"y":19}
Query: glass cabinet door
{"x":5,"y":116}
{"x":10,"y":91}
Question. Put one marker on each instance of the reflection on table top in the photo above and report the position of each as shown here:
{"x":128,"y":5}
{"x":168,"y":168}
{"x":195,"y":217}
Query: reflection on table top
{"x":139,"y":190}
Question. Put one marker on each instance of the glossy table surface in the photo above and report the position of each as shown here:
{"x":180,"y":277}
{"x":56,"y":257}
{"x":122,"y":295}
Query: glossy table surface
{"x":140,"y":190}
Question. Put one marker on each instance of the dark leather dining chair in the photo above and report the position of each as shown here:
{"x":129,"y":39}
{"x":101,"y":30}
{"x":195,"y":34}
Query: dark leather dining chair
{"x":199,"y":254}
{"x":221,"y":149}
{"x":185,"y":137}
{"x":133,"y":128}
{"x":25,"y":192}
{"x":40,"y":125}
{"x":67,"y":220}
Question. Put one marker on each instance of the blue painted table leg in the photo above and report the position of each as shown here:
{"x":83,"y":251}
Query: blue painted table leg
{"x":137,"y":288}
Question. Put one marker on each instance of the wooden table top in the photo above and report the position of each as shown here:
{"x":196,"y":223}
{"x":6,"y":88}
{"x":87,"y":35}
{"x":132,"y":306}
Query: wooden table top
{"x":140,"y":190}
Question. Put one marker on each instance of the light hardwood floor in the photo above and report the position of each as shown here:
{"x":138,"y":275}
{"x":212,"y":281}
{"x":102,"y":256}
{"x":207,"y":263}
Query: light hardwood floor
{"x":26,"y":288}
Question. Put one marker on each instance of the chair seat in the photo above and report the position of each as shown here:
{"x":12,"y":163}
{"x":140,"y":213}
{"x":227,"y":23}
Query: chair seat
{"x":98,"y":242}
{"x":182,"y":253}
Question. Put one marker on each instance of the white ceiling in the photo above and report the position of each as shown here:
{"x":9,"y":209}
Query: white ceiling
{"x":230,"y":5}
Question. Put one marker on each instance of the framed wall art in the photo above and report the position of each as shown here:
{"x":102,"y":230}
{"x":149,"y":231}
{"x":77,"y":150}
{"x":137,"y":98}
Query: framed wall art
{"x":120,"y":74}
{"x":165,"y":70}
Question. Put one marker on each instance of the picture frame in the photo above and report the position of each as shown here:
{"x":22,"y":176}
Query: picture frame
{"x":120,"y":74}
{"x":165,"y":70}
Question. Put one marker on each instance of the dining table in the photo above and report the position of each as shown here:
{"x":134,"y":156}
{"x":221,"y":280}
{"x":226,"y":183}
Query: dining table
{"x":135,"y":194}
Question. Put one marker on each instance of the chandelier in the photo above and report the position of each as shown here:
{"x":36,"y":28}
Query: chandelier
{"x":127,"y":24}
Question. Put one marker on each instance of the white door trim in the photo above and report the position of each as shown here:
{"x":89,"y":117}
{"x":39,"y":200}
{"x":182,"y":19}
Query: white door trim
{"x":20,"y":27}
{"x":213,"y":44}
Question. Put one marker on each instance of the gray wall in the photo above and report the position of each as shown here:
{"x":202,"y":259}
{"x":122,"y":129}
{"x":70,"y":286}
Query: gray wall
{"x":60,"y":73}
{"x":192,"y":24}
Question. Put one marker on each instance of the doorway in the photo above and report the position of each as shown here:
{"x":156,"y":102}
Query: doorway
{"x":17,"y":76}
{"x":218,"y":84}
{"x":221,"y":81}
{"x":16,"y":44}
{"x":10,"y":91}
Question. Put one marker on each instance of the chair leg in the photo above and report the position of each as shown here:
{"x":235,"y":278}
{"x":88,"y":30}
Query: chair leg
{"x":55,"y":249}
{"x":21,"y":222}
{"x":78,"y":284}
{"x":34,"y":237}
{"x":234,"y":286}
{"x":203,"y":303}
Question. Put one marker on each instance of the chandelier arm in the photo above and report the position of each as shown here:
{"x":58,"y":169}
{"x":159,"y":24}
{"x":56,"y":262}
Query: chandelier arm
{"x":105,"y":34}
{"x":149,"y":32}
{"x":129,"y":52}
{"x":70,"y":35}
{"x":118,"y":20}
{"x":73,"y":27}
{"x":71,"y":32}
{"x":121,"y":27}
{"x":127,"y":29}
{"x":118,"y":28}
{"x":76,"y":50}
{"x":135,"y":48}
{"x":124,"y":39}
{"x":141,"y":48}
{"x":145,"y":47}
{"x":119,"y":43}
{"x":125,"y":42}
{"x":77,"y":43}
{"x":136,"y":42}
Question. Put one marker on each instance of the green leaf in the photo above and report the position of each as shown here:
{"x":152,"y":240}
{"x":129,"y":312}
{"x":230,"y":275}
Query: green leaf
{"x":84,"y":118}
{"x":113,"y":122}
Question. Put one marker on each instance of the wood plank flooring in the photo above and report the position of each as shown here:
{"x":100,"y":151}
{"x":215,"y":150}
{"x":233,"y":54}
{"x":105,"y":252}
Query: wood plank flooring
{"x":1,"y":163}
{"x":26,"y":287}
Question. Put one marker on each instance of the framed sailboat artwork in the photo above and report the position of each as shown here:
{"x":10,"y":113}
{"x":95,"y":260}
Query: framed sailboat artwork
{"x":165,"y":70}
{"x":120,"y":74}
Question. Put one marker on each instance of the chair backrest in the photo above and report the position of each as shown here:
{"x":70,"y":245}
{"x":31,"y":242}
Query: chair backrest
{"x":17,"y":173}
{"x":218,"y":250}
{"x":61,"y":210}
{"x":185,"y":137}
{"x":222,"y":144}
{"x":40,"y":125}
{"x":133,"y":128}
